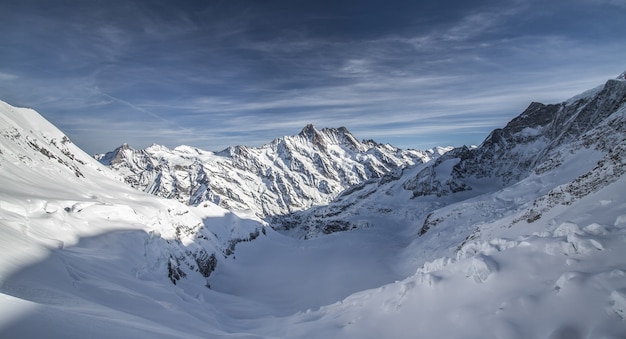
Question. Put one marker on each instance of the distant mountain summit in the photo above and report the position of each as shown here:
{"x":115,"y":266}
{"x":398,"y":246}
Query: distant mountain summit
{"x":288,"y":174}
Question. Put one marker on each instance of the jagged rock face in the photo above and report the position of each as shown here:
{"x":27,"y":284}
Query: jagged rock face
{"x":529,"y":143}
{"x":289,"y":174}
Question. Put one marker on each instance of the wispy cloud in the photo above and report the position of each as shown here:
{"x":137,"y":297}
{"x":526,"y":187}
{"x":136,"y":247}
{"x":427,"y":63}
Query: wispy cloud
{"x":7,"y":76}
{"x":618,"y":3}
{"x":215,"y":74}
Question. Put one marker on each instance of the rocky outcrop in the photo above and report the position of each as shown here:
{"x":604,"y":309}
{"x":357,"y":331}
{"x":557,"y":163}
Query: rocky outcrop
{"x":528,"y":144}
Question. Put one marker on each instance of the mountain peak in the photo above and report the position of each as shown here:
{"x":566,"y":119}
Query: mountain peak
{"x":308,"y":131}
{"x":331,"y":136}
{"x":115,"y":156}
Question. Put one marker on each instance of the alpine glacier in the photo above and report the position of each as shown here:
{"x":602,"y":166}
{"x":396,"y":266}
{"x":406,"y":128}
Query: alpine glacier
{"x":523,"y":236}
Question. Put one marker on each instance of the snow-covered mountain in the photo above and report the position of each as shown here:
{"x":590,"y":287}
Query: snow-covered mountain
{"x":289,"y":174}
{"x":53,"y":195}
{"x":586,"y":130}
{"x":523,"y":236}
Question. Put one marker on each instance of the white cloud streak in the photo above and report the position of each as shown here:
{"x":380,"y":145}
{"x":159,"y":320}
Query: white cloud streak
{"x":171,"y":78}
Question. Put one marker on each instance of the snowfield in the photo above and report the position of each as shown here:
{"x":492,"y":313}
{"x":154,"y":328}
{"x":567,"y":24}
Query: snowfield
{"x":537,"y":252}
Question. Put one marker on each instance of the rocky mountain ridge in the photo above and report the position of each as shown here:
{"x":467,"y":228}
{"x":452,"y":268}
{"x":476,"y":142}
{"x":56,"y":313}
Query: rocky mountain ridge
{"x":289,"y":174}
{"x":528,"y":143}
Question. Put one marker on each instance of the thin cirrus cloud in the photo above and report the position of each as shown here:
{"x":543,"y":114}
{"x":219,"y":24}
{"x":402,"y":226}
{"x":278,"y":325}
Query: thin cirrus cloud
{"x":216,"y":73}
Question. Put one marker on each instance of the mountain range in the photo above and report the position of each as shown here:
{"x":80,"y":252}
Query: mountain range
{"x":319,"y":234}
{"x":289,"y":174}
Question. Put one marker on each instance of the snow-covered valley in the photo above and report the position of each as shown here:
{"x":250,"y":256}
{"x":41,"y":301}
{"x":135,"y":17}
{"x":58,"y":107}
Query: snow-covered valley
{"x":523,"y":236}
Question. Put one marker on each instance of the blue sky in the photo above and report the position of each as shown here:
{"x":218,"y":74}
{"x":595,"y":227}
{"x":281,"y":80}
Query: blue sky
{"x":211,"y":74}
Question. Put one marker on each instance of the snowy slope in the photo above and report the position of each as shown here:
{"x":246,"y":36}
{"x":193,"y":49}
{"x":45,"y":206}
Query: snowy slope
{"x":289,"y":174}
{"x":563,"y":276}
{"x":80,"y":245}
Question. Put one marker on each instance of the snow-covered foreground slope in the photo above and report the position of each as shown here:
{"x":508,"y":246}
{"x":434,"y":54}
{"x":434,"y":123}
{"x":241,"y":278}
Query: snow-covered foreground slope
{"x":561,"y":277}
{"x":532,"y":246}
{"x":84,"y":255}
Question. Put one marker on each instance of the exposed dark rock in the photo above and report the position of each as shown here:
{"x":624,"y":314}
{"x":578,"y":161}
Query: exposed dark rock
{"x":528,"y":143}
